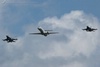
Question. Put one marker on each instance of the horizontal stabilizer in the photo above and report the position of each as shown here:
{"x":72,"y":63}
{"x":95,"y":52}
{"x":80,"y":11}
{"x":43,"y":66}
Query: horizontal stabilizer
{"x":48,"y":30}
{"x":34,"y":33}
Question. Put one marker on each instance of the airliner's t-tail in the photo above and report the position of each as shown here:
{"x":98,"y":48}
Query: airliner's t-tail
{"x":44,"y":32}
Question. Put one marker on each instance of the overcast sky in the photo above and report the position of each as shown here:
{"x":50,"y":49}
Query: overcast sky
{"x":72,"y":47}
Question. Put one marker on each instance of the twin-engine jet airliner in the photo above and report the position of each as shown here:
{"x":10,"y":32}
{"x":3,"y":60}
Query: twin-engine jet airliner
{"x":9,"y":39}
{"x":44,"y":32}
{"x":89,"y":29}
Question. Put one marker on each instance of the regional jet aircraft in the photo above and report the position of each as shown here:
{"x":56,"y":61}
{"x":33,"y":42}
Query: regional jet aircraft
{"x":9,"y":39}
{"x":89,"y":29}
{"x":44,"y":32}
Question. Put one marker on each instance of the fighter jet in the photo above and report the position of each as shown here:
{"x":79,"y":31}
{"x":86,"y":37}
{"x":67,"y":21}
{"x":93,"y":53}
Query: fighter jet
{"x":89,"y":29}
{"x":9,"y":39}
{"x":44,"y":32}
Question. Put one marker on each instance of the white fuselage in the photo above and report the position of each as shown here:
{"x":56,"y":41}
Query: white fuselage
{"x":42,"y":31}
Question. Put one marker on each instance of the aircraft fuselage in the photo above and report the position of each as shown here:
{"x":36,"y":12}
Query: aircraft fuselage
{"x":45,"y":33}
{"x":88,"y":29}
{"x":8,"y":39}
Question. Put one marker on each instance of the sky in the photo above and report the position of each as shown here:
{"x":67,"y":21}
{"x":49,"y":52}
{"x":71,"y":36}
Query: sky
{"x":72,"y":47}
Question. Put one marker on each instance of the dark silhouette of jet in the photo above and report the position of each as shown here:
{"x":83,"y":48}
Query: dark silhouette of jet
{"x":44,"y":32}
{"x":89,"y":29}
{"x":9,"y":39}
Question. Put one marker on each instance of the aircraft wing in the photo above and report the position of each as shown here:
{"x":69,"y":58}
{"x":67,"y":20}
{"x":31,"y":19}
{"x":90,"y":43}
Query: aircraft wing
{"x":35,"y":33}
{"x":14,"y":39}
{"x":83,"y":29}
{"x":52,"y":32}
{"x":4,"y":39}
{"x":94,"y":29}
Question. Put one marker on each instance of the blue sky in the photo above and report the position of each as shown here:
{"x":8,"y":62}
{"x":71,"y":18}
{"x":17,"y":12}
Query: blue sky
{"x":72,"y":47}
{"x":33,"y":11}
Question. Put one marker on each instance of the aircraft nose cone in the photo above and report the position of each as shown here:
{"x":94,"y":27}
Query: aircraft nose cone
{"x":39,"y":27}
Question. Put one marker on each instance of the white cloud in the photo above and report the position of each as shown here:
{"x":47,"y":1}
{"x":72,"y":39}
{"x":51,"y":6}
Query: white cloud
{"x":54,"y":50}
{"x":79,"y":42}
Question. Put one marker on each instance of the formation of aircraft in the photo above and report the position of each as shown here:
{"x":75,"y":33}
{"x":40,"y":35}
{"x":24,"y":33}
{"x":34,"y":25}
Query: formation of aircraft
{"x":89,"y":29}
{"x":9,"y":39}
{"x":44,"y":33}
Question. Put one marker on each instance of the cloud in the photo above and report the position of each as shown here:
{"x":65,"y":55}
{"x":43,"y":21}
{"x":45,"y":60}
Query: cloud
{"x":2,"y":1}
{"x":75,"y":64}
{"x":71,"y":25}
{"x":18,"y":1}
{"x":71,"y":47}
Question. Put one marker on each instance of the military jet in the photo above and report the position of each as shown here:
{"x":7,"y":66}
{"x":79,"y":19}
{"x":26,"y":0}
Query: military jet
{"x":89,"y":29}
{"x":9,"y":39}
{"x":44,"y":32}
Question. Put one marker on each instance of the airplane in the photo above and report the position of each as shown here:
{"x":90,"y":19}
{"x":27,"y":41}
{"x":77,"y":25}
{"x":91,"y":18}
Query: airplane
{"x":9,"y":39}
{"x":89,"y":29}
{"x":44,"y":32}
